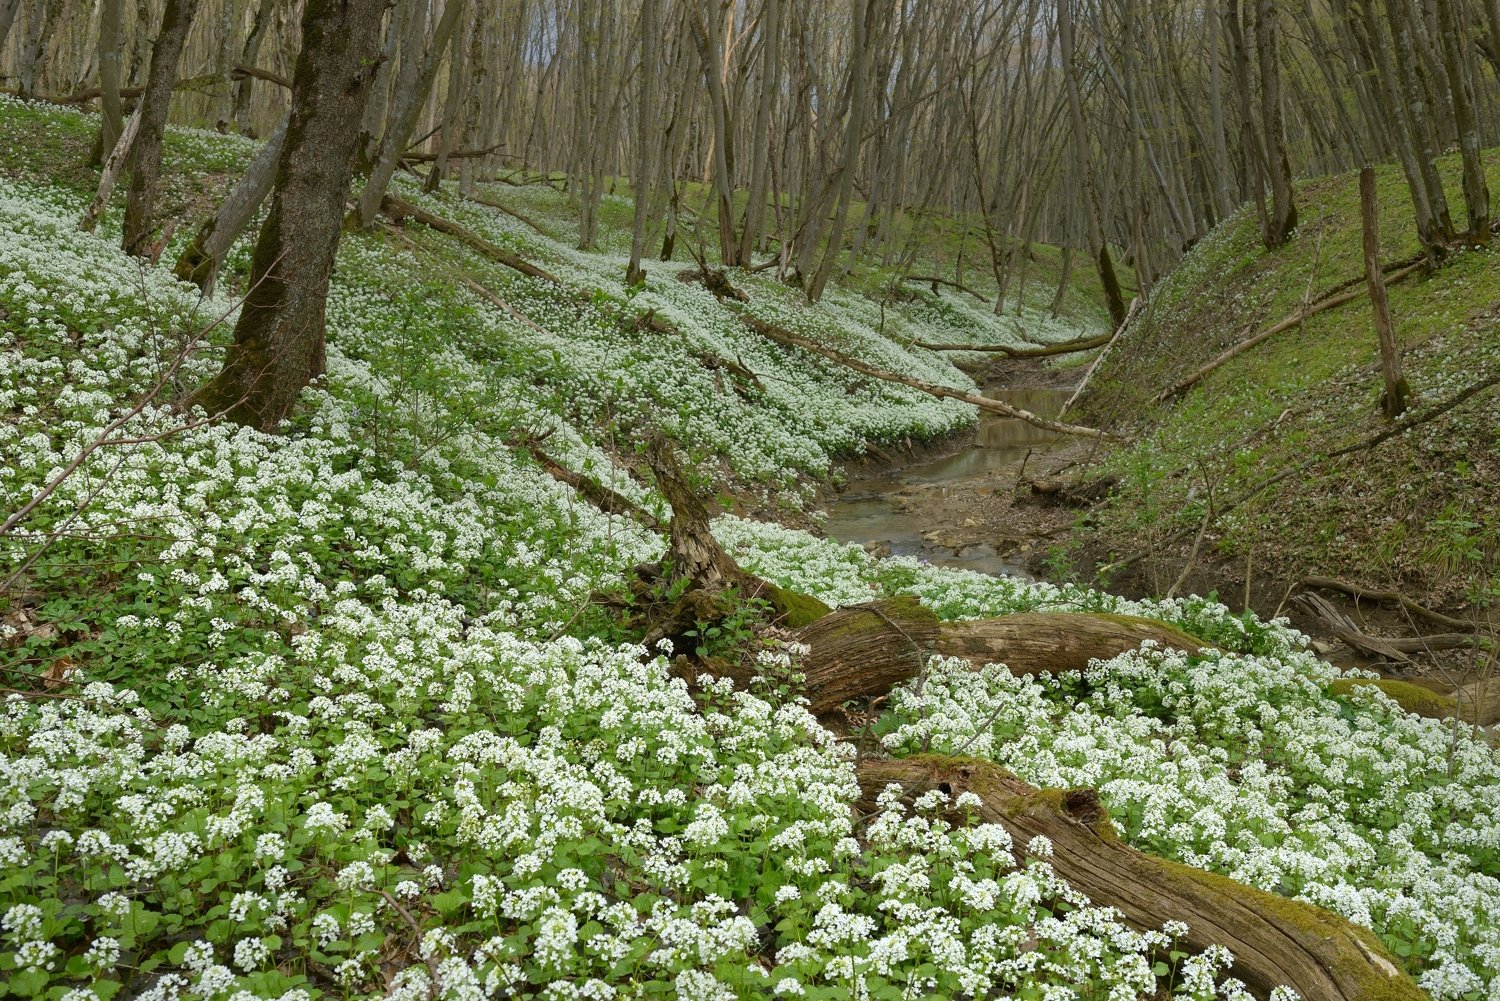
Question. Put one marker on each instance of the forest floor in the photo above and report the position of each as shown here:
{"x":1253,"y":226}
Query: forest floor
{"x":354,"y":710}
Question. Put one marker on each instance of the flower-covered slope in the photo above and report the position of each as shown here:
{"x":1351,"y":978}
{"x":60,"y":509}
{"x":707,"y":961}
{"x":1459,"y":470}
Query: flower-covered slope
{"x":330,"y":715}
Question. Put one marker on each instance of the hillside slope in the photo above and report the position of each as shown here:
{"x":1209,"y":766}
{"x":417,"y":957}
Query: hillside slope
{"x":1418,"y":512}
{"x":335,"y":712}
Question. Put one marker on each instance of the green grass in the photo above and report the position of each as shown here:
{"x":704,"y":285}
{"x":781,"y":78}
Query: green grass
{"x":1387,"y":514}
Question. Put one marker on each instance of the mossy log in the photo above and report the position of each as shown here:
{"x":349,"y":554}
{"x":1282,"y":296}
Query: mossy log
{"x":1320,"y":955}
{"x":865,"y":650}
{"x":1411,"y":697}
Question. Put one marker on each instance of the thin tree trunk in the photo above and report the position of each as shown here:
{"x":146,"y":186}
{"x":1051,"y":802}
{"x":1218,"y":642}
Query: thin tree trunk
{"x":109,"y":173}
{"x":709,"y":48}
{"x":859,"y":85}
{"x":145,"y":159}
{"x":760,"y":144}
{"x":112,"y":115}
{"x":1476,"y":190}
{"x":265,"y":15}
{"x":1113,"y":297}
{"x":452,"y":106}
{"x":278,"y":341}
{"x":1283,"y":215}
{"x":644,"y":153}
{"x":408,"y":109}
{"x":1396,"y":390}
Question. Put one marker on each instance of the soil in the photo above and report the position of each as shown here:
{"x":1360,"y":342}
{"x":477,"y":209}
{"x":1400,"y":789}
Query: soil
{"x":997,"y":508}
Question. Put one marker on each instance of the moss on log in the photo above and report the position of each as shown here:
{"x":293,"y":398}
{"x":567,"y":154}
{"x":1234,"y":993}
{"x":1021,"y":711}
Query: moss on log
{"x":1274,"y":940}
{"x":865,"y":650}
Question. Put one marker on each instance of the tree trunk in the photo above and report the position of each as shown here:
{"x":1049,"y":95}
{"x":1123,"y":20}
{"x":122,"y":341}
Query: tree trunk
{"x":452,"y":105}
{"x":1113,"y":297}
{"x":1250,"y":149}
{"x":8,"y":9}
{"x":1283,"y":216}
{"x":408,"y":109}
{"x":200,"y":260}
{"x":645,"y":158}
{"x":259,"y":27}
{"x":112,"y":115}
{"x":709,"y":48}
{"x":145,"y":158}
{"x":866,"y":650}
{"x":1274,"y":940}
{"x":110,"y":172}
{"x":1396,"y":390}
{"x":1460,"y":84}
{"x":755,"y":203}
{"x":278,"y":341}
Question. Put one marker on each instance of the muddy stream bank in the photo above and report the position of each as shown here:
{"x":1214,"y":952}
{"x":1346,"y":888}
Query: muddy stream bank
{"x":957,"y":509}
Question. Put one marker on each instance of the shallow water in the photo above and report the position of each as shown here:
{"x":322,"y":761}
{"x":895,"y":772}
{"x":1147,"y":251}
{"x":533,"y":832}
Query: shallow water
{"x":887,"y":511}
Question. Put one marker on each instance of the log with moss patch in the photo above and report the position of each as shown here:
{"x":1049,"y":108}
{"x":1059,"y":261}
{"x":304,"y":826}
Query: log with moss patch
{"x":864,"y":651}
{"x":1275,"y":941}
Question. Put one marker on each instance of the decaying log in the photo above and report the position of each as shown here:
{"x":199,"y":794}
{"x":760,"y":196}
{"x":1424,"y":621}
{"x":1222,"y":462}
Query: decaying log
{"x":1039,"y":351}
{"x":785,"y":337}
{"x":1071,"y":493}
{"x":604,"y":498}
{"x":513,"y":213}
{"x":1320,"y":955}
{"x":398,"y":210}
{"x":935,"y":281}
{"x":1393,"y":648}
{"x":716,"y":280}
{"x":1394,"y":597}
{"x":865,"y":650}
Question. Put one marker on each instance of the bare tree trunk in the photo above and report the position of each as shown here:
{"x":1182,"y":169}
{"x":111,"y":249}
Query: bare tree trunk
{"x":265,"y":15}
{"x":110,"y":172}
{"x":452,"y":105}
{"x":863,"y":14}
{"x":760,"y":144}
{"x":644,"y":158}
{"x":1396,"y":389}
{"x":39,"y":25}
{"x":8,"y":9}
{"x":112,"y":116}
{"x":278,"y":341}
{"x":709,"y":48}
{"x":1283,"y":215}
{"x":200,"y":260}
{"x":1476,"y":191}
{"x":145,"y":158}
{"x":1112,"y":295}
{"x":1250,"y":149}
{"x":408,"y":109}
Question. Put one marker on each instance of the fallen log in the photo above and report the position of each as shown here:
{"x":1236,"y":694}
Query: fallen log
{"x":1322,"y":305}
{"x":1275,"y":941}
{"x":935,"y":281}
{"x":1393,"y":597}
{"x":1394,"y":648}
{"x":398,"y":210}
{"x":785,"y":337}
{"x":1040,"y":351}
{"x":513,"y":213}
{"x":864,"y":651}
{"x":1135,"y":307}
{"x":601,"y":496}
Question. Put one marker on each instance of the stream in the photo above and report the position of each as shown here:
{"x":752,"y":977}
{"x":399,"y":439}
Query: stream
{"x":891,"y":512}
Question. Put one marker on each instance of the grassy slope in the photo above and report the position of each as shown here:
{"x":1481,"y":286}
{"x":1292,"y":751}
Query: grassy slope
{"x":323,"y":686}
{"x":1401,"y":514}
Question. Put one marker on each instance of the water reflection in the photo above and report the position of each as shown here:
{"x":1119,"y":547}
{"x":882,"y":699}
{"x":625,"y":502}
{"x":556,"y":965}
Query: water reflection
{"x":880,"y":510}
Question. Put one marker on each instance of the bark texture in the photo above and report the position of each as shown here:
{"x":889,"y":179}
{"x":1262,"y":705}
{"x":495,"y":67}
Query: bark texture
{"x":1274,"y":940}
{"x":145,"y":159}
{"x":278,"y":342}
